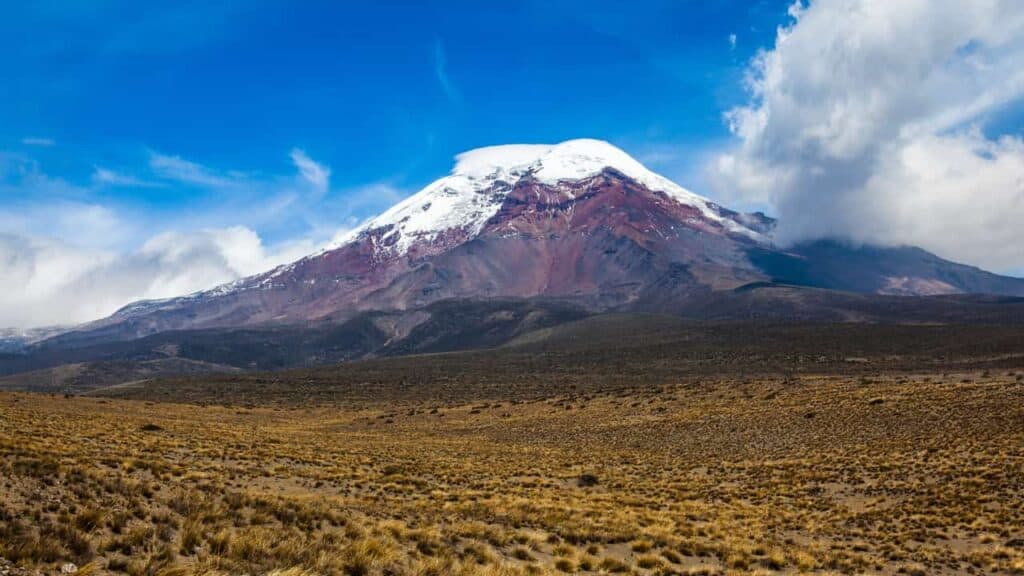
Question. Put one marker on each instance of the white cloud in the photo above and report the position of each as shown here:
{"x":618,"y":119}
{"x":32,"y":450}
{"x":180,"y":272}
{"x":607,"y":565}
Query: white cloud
{"x":85,"y":224}
{"x":732,"y":41}
{"x":862,"y":125}
{"x":66,"y":257}
{"x":316,"y":175}
{"x":50,"y":282}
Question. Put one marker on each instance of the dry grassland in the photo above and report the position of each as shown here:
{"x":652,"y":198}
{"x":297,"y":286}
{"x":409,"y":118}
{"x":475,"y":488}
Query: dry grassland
{"x":912,"y":474}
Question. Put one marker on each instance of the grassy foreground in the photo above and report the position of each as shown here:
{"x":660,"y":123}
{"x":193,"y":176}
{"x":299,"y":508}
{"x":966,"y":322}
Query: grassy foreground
{"x":915,"y":474}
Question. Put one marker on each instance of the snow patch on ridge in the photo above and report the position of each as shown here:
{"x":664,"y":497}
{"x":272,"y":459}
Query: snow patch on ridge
{"x":465,"y":199}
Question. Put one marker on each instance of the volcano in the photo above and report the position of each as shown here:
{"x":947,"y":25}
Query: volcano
{"x":580,"y":222}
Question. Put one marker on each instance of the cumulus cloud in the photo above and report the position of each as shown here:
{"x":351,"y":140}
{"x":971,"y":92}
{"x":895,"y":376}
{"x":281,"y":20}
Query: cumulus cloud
{"x":50,"y":282}
{"x":864,"y":124}
{"x":66,"y":257}
{"x":89,"y":225}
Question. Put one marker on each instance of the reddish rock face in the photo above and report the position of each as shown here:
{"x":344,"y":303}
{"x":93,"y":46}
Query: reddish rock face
{"x":605,"y":240}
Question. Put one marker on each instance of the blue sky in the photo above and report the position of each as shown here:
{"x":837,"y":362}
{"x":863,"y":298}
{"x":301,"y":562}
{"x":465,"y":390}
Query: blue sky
{"x":149,"y":149}
{"x":387,"y":93}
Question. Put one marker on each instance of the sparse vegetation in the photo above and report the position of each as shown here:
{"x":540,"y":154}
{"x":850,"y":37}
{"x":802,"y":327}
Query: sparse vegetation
{"x":708,"y":476}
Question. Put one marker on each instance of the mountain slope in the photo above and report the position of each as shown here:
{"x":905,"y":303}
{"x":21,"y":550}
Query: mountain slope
{"x":871,"y":269}
{"x":440,"y":327}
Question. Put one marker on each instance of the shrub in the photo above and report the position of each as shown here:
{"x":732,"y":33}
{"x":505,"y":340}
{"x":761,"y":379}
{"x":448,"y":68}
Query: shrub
{"x":565,"y":565}
{"x":614,"y":566}
{"x":521,"y":553}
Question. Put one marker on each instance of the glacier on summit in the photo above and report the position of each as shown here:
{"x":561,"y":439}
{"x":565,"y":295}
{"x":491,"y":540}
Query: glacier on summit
{"x":466,"y":199}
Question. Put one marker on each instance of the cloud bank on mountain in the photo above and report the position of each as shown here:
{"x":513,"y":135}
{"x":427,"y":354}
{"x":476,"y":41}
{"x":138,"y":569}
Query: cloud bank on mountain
{"x":873,"y":121}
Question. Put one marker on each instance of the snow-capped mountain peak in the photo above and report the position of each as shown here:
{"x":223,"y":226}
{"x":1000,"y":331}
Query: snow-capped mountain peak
{"x":580,"y":220}
{"x":474,"y":191}
{"x":550,"y":164}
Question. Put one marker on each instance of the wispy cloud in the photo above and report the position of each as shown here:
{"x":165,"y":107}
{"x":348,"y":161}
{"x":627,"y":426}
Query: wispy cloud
{"x":178,"y":169}
{"x":659,"y":157}
{"x":316,"y":175}
{"x":451,"y":91}
{"x":107,"y":177}
{"x":36,"y":141}
{"x":335,"y":217}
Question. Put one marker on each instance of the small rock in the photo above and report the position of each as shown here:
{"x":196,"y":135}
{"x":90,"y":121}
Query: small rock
{"x":68,"y":568}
